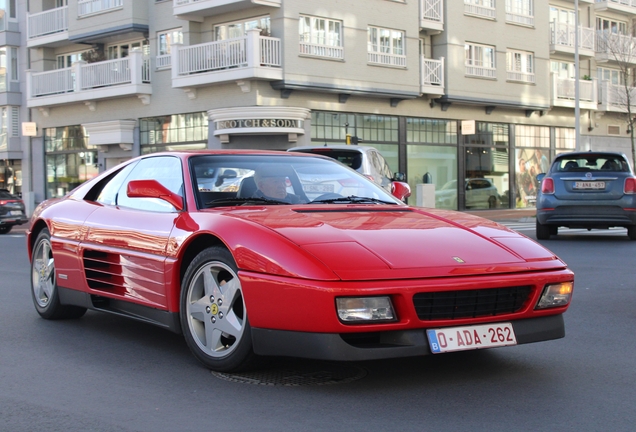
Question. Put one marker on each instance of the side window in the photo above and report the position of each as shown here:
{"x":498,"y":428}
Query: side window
{"x":166,"y":170}
{"x":108,"y":195}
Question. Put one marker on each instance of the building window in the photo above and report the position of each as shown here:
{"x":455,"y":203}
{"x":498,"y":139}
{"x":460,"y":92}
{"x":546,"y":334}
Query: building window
{"x":564,"y":140}
{"x":174,"y":132}
{"x":520,"y":12}
{"x":67,"y":60}
{"x":480,"y":60}
{"x":520,"y":66}
{"x":611,"y":26}
{"x":386,"y":47}
{"x":70,"y":161}
{"x":320,"y":37}
{"x":89,"y":7}
{"x":8,"y":67}
{"x":532,"y":157}
{"x":123,"y":50}
{"x":563,"y":70}
{"x":480,"y":8}
{"x":431,"y":131}
{"x":165,"y":39}
{"x":613,"y":76}
{"x":239,"y":28}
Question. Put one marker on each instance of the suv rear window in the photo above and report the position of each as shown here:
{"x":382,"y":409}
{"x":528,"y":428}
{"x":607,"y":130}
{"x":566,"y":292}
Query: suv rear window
{"x":6,"y":195}
{"x":352,"y":159}
{"x":592,"y":162}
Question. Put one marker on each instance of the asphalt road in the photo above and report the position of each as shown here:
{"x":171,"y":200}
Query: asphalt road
{"x":105,"y":373}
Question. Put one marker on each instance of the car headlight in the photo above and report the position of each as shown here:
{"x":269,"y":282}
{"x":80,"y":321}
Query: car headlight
{"x":365,"y":309}
{"x":555,"y":295}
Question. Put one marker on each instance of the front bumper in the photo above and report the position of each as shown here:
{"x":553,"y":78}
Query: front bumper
{"x":381,"y":345}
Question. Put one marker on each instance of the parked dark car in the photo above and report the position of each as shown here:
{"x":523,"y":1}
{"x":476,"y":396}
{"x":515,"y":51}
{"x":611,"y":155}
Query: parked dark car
{"x":11,"y":211}
{"x":593,"y":190}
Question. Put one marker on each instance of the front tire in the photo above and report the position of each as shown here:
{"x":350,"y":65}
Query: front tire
{"x":44,"y":290}
{"x":543,"y":231}
{"x":213,"y":314}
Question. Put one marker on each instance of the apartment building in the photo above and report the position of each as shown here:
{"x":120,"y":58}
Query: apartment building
{"x":448,"y":90}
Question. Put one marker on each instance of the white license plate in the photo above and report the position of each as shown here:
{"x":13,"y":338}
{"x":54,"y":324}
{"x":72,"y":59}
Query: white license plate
{"x":318,"y":188}
{"x":15,"y":212}
{"x":471,"y":337}
{"x":589,"y":185}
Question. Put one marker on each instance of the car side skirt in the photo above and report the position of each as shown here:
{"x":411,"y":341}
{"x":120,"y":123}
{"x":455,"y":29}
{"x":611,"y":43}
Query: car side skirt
{"x":161,"y":318}
{"x":381,"y":345}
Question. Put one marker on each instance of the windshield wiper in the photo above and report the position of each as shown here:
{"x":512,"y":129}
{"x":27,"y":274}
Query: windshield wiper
{"x":352,"y":199}
{"x":244,"y":201}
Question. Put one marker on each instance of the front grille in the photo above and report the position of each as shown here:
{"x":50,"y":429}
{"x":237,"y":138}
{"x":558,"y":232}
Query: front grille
{"x":450,"y":305}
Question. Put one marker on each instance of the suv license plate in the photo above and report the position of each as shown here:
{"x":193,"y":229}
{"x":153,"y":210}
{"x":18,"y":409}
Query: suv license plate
{"x":471,"y":337}
{"x":589,"y":185}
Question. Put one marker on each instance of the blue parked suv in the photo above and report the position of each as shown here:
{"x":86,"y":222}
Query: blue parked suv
{"x":593,"y":190}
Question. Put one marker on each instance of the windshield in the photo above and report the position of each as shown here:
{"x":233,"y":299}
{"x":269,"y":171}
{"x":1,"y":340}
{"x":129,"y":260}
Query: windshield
{"x":591,"y":162}
{"x":221,"y":180}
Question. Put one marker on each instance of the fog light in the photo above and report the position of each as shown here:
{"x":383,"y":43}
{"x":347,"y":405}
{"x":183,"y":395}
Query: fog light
{"x":364,"y":309}
{"x":555,"y":295}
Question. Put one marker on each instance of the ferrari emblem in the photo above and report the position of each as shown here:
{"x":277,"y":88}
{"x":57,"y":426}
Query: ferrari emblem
{"x":214,"y":309}
{"x":459,"y":260}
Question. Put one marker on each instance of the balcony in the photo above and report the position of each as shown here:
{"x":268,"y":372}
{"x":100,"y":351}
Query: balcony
{"x":563,"y":93}
{"x":240,"y":59}
{"x":562,"y":38}
{"x":615,"y":48}
{"x":90,"y":82}
{"x":432,"y":16}
{"x":481,"y":72}
{"x":614,"y":97}
{"x":48,"y":28}
{"x":92,"y":7}
{"x":196,"y":10}
{"x":386,"y":59}
{"x":432,"y":81}
{"x":480,"y":8}
{"x":321,"y":51}
{"x":620,"y":6}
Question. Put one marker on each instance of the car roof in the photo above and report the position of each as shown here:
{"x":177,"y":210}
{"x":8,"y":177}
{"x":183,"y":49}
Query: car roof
{"x":586,"y":154}
{"x":358,"y":148}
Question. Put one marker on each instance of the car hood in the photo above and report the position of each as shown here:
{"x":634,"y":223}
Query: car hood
{"x":369,"y":242}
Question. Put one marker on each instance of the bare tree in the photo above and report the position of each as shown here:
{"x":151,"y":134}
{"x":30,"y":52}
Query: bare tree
{"x":621,"y":49}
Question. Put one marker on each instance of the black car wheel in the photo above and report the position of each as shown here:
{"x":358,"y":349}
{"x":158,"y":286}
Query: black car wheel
{"x":44,"y":288}
{"x":213,"y":315}
{"x":631,"y":232}
{"x":4,"y":229}
{"x":543,"y":231}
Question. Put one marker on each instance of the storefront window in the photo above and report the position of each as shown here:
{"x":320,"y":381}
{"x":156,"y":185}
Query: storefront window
{"x":11,"y":176}
{"x":174,"y":132}
{"x":487,"y":182}
{"x":70,"y":161}
{"x":564,"y":140}
{"x":532,"y":158}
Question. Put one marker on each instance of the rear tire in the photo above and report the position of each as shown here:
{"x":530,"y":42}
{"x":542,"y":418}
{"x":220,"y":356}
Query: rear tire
{"x":5,"y":229}
{"x":44,"y":290}
{"x":631,"y":232}
{"x":543,"y":231}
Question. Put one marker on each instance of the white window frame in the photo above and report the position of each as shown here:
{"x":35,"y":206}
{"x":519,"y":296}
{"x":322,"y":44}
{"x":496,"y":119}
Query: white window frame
{"x":386,"y":47}
{"x":520,"y":66}
{"x":66,"y":56}
{"x":481,"y":8}
{"x":320,"y":37}
{"x":563,"y":69}
{"x":118,"y":47}
{"x":520,"y":12}
{"x":222,"y":31}
{"x":613,"y":76}
{"x":613,"y":26}
{"x":165,"y":39}
{"x":480,"y":60}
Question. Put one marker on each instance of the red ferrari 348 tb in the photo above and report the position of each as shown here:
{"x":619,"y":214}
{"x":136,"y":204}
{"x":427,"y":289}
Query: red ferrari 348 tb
{"x":253,"y":254}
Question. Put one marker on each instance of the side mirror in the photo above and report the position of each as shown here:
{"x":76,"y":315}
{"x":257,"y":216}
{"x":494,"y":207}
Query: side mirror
{"x":153,"y":189}
{"x":540,"y":177}
{"x":400,"y":190}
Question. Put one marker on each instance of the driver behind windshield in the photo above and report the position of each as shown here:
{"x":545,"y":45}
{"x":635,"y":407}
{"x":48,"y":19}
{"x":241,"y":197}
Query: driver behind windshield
{"x":271,"y":182}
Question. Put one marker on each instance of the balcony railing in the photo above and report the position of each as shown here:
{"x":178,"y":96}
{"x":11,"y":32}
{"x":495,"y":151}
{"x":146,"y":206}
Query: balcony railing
{"x":386,"y":59}
{"x":164,"y":61}
{"x":481,"y":71}
{"x":614,"y":97}
{"x":628,"y":6}
{"x":432,"y":76}
{"x":325,"y":51}
{"x":564,"y":92}
{"x":615,"y":47}
{"x":481,"y":8}
{"x":432,"y":12}
{"x":208,"y":7}
{"x":562,"y":35}
{"x":83,"y":79}
{"x":48,"y":22}
{"x":520,"y":76}
{"x":89,"y":7}
{"x":251,"y":56}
